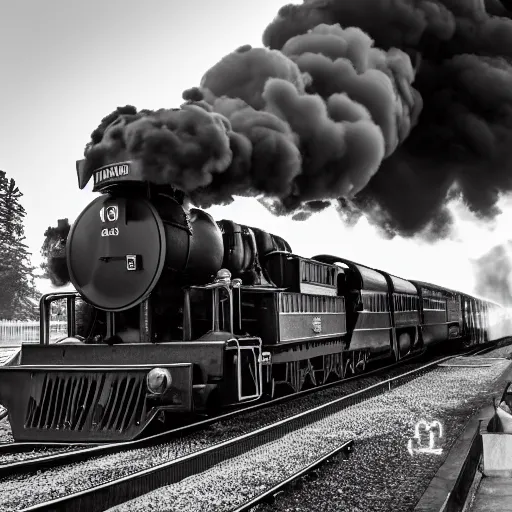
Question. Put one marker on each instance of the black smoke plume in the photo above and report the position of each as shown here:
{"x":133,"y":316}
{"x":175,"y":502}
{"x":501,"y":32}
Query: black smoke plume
{"x":462,"y":143}
{"x":390,"y":107}
{"x":493,"y":273}
{"x":300,"y":126}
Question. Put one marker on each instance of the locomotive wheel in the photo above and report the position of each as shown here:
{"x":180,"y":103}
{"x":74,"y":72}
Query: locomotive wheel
{"x":360,"y":366}
{"x":466,"y":342}
{"x":214,"y":404}
{"x":404,"y":344}
{"x":270,"y":392}
{"x":349,"y":368}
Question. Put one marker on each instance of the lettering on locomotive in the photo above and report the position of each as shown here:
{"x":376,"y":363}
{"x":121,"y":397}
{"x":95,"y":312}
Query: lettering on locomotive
{"x":110,"y":172}
{"x":109,"y":213}
{"x":110,"y":232}
{"x":317,"y":324}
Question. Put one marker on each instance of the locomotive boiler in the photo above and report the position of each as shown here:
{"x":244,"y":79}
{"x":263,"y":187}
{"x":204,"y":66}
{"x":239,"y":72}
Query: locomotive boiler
{"x":175,"y":313}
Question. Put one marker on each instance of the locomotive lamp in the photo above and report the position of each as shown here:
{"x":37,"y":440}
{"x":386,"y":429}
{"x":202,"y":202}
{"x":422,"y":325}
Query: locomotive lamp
{"x":223,"y":276}
{"x":158,"y":381}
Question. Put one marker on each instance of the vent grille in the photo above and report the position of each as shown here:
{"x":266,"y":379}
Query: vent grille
{"x":302,"y":303}
{"x":97,"y":402}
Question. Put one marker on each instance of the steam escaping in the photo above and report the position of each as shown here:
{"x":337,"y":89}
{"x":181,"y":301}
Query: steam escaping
{"x":493,"y":273}
{"x":461,"y":145}
{"x":54,"y":251}
{"x":182,"y":147}
{"x":298,"y":127}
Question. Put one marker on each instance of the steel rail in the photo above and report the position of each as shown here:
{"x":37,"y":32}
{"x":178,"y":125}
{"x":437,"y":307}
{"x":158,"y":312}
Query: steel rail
{"x":267,"y":495}
{"x":99,"y":448}
{"x":132,"y":486}
{"x":40,"y":462}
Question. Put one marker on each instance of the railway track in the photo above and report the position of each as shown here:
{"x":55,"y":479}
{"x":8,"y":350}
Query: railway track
{"x":117,"y":491}
{"x":65,"y":453}
{"x":268,"y":495}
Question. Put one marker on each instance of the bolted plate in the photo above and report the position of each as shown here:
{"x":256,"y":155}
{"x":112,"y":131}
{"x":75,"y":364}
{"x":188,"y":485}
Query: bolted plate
{"x":116,"y":251}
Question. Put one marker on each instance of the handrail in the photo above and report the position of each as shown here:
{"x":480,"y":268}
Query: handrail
{"x":44,"y":312}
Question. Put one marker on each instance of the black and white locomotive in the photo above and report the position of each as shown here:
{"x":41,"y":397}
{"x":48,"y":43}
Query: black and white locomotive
{"x":174,"y":313}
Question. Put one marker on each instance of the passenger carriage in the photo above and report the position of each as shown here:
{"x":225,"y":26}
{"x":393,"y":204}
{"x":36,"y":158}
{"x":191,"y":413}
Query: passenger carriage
{"x":450,"y":315}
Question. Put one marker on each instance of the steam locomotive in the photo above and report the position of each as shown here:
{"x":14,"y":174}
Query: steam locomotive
{"x":175,"y":313}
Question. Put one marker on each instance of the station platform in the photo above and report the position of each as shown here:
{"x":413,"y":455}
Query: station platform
{"x":459,"y":485}
{"x":493,"y":494}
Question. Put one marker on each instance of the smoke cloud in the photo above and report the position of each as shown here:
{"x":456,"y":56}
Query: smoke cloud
{"x":461,"y":144}
{"x":299,"y":126}
{"x":388,"y":107}
{"x":54,"y":251}
{"x":493,"y":273}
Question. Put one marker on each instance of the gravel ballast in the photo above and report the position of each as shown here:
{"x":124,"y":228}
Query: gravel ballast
{"x":60,"y":481}
{"x":381,"y":475}
{"x":224,"y":429}
{"x":24,"y":491}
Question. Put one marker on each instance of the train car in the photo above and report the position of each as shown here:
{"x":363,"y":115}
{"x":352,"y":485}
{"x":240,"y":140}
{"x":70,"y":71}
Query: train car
{"x":369,"y":322}
{"x":384,"y":320}
{"x":176,"y":314}
{"x":450,"y":315}
{"x":440,"y":313}
{"x":405,"y":306}
{"x":187,"y":315}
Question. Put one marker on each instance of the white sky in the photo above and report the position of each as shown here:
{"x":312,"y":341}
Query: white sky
{"x":65,"y":64}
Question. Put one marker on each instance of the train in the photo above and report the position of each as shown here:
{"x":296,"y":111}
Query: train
{"x":175,"y":314}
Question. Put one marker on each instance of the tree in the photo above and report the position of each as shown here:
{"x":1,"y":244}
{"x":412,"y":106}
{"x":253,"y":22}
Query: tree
{"x":18,"y":293}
